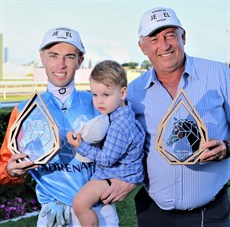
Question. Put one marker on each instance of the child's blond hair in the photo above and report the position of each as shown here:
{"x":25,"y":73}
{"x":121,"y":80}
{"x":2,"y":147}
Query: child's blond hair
{"x":109,"y":73}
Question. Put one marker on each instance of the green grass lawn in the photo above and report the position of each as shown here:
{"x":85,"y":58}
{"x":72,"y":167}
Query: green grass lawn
{"x":125,"y":209}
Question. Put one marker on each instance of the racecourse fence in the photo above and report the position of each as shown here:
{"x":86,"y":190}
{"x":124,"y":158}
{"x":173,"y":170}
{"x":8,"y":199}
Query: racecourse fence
{"x":17,"y":88}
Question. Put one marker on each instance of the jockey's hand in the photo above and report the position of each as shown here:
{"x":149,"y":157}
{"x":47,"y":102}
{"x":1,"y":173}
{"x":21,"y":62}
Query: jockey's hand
{"x":117,"y":191}
{"x":58,"y":213}
{"x":16,"y":168}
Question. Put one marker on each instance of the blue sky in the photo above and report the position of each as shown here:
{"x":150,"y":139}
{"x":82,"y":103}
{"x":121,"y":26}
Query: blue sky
{"x":109,"y":28}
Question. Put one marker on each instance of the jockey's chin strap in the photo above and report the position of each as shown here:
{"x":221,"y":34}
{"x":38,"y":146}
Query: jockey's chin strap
{"x":62,"y":93}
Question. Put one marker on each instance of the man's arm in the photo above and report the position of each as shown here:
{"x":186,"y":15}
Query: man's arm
{"x":117,"y":191}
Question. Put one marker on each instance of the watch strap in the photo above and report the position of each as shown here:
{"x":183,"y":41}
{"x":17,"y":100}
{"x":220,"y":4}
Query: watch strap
{"x":227,"y":144}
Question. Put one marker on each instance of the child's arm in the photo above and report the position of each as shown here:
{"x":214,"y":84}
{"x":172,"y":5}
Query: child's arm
{"x":115,"y":145}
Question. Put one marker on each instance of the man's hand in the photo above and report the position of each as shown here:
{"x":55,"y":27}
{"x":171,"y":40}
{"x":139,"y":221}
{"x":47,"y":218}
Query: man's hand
{"x":59,"y":213}
{"x":117,"y":191}
{"x":215,"y":150}
{"x":15,"y":168}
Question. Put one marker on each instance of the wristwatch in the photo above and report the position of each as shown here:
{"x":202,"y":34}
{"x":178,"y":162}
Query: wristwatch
{"x":227,"y":144}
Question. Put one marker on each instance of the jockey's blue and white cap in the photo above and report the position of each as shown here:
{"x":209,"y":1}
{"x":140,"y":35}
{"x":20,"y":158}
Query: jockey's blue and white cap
{"x":157,"y":18}
{"x":62,"y":34}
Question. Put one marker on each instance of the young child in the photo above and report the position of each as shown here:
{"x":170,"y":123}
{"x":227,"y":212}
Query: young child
{"x":121,"y":154}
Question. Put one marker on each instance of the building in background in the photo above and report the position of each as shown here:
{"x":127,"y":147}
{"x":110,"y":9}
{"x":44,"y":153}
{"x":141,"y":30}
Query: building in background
{"x":6,"y":54}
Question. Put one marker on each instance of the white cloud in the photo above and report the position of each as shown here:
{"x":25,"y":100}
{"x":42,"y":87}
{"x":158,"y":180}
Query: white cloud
{"x":118,"y":54}
{"x":94,"y":57}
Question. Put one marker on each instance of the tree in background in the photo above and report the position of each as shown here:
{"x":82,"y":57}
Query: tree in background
{"x":90,"y":64}
{"x":146,"y":64}
{"x":133,"y":65}
{"x":130,"y":65}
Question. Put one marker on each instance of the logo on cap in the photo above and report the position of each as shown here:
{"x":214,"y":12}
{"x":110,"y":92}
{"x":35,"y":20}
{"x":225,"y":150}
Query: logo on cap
{"x":63,"y":35}
{"x":159,"y":15}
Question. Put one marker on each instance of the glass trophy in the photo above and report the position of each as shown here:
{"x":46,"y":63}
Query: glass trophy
{"x":181,"y":132}
{"x":35,"y":133}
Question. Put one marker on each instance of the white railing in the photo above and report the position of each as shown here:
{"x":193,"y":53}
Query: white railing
{"x":20,"y":87}
{"x":27,"y":87}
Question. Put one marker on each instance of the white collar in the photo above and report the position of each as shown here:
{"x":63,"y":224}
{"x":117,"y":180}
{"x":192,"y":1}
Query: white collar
{"x":62,"y":93}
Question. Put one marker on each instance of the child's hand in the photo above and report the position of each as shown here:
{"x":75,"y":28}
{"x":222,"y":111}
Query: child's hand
{"x":74,"y":138}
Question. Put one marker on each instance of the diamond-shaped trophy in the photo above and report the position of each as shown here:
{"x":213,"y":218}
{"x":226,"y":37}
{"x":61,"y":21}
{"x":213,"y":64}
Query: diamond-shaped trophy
{"x":35,"y":133}
{"x":181,"y":132}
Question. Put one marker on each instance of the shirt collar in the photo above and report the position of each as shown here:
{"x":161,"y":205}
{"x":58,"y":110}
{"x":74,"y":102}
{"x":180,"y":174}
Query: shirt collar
{"x":189,"y":70}
{"x":61,"y":93}
{"x":120,"y":111}
{"x":151,"y":79}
